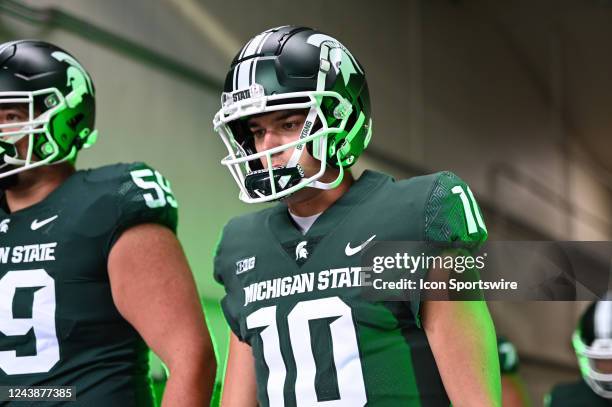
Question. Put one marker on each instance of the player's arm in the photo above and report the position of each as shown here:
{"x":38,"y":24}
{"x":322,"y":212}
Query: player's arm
{"x":514,"y":393}
{"x":462,"y":338}
{"x":240,"y":387}
{"x":240,"y":384}
{"x":154,"y":290}
{"x":460,"y":333}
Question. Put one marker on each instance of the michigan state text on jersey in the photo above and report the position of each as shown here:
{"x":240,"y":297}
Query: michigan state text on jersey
{"x":329,"y":341}
{"x":295,"y":117}
{"x":90,"y":267}
{"x":58,"y":322}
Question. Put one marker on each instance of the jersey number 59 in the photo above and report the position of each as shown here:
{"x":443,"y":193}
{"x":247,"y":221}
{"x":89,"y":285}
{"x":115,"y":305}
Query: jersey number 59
{"x":156,"y":184}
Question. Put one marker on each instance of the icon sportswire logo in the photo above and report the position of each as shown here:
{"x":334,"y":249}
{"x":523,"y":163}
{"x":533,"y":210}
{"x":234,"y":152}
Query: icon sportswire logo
{"x":350,"y":251}
{"x":36,"y":224}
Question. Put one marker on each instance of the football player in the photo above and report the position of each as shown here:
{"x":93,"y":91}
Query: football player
{"x":295,"y":116}
{"x":91,"y":271}
{"x":592,"y":341}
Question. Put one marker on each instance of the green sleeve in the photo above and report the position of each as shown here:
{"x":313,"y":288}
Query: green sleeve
{"x":452,"y":216}
{"x":143,"y":195}
{"x":453,"y":224}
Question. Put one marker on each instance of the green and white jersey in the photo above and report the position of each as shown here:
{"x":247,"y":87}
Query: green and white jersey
{"x":296,"y":298}
{"x":58,"y":322}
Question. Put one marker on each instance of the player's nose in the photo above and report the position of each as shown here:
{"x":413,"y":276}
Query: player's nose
{"x":270,"y":140}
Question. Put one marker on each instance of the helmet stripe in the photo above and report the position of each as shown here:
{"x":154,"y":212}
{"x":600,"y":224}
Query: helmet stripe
{"x":244,"y":73}
{"x":254,"y":66}
{"x":603,"y":319}
{"x":6,"y":45}
{"x":253,"y":70}
{"x":237,"y":67}
{"x":246,"y":47}
{"x":244,"y":69}
{"x":253,"y":45}
{"x":263,"y":41}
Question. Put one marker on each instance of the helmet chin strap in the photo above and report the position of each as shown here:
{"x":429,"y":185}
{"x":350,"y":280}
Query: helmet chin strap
{"x":299,"y":149}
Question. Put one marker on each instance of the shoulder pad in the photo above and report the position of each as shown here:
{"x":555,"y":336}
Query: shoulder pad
{"x":452,"y":213}
{"x":141,"y":195}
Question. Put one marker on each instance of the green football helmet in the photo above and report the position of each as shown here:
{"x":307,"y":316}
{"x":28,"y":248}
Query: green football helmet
{"x":58,"y":95}
{"x":293,"y":68}
{"x":592,"y":342}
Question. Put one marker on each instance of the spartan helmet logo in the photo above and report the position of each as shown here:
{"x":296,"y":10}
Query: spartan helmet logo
{"x":300,"y":251}
{"x":340,"y":57}
{"x":77,"y":79}
{"x":4,"y":226}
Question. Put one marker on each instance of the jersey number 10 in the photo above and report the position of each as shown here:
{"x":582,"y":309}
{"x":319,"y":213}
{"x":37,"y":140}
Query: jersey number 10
{"x":345,"y":352}
{"x":470,"y":211}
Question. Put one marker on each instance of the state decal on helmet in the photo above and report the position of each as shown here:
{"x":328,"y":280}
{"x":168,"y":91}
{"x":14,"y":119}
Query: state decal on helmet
{"x":293,"y":68}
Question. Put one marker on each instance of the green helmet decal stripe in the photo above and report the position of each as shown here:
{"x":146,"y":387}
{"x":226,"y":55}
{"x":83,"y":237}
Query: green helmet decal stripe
{"x":351,"y":135}
{"x":78,"y":79}
{"x":579,"y":347}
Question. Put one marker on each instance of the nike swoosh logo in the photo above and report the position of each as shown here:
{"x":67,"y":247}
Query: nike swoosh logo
{"x":349,"y":251}
{"x":37,"y":225}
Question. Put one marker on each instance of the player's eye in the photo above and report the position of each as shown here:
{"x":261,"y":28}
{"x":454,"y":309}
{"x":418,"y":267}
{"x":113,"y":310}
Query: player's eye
{"x":12,"y":118}
{"x":290,"y":125}
{"x":258,"y":133}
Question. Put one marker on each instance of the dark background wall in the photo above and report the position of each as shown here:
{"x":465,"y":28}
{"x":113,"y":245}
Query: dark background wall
{"x":515,"y":97}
